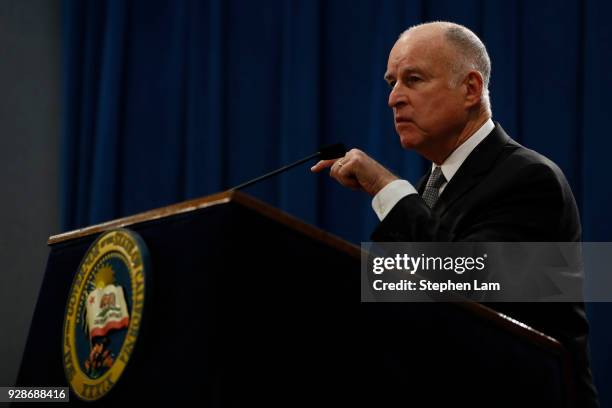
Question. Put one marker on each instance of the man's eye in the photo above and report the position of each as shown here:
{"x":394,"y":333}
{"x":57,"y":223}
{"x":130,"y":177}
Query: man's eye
{"x":391,"y":84}
{"x":413,"y":78}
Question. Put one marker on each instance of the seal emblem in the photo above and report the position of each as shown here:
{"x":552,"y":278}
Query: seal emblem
{"x":104,"y":313}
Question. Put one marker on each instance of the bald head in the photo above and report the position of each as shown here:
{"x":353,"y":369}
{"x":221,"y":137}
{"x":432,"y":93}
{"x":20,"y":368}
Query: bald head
{"x":463,"y":50}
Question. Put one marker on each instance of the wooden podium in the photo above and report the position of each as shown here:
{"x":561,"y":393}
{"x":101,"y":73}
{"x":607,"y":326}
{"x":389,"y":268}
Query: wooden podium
{"x":251,"y":307}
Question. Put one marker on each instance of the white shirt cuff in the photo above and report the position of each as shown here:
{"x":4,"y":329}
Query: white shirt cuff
{"x":385,"y":200}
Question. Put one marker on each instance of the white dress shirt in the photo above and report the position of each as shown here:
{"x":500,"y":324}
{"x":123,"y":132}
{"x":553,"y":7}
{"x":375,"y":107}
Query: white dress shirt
{"x":385,"y":200}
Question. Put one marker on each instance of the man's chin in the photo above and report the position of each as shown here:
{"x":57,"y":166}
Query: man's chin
{"x":409,"y":142}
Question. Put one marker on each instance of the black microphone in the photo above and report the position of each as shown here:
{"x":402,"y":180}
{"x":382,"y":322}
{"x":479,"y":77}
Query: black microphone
{"x":328,"y":152}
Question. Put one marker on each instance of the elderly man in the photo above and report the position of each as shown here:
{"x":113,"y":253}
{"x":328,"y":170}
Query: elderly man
{"x":483,"y":186}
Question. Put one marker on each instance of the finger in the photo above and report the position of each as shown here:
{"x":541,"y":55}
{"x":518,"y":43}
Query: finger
{"x":323,"y":164}
{"x":342,"y":168}
{"x":348,"y":180}
{"x":351,"y":183}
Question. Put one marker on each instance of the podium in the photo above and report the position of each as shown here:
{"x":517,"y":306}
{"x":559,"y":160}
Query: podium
{"x":250,"y":306}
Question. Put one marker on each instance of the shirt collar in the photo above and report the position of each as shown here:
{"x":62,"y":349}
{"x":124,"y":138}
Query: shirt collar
{"x":458,"y":156}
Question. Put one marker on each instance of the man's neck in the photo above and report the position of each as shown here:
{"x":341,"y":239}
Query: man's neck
{"x":441,"y":154}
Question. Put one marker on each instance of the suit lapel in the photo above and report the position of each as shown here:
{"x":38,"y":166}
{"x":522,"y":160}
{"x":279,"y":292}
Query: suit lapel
{"x":473,"y":169}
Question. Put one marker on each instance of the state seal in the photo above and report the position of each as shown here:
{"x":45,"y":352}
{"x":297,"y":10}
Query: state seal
{"x":104,"y":313}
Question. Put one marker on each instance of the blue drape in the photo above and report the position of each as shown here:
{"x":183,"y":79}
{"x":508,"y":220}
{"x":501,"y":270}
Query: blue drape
{"x":175,"y":99}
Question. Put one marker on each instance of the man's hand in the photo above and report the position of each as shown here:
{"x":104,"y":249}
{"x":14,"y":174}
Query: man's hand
{"x":357,"y":171}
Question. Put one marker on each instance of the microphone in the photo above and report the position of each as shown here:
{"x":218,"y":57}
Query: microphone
{"x":329,"y":152}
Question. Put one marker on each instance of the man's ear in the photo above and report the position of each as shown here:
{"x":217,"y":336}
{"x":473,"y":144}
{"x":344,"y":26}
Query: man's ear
{"x":474,"y":86}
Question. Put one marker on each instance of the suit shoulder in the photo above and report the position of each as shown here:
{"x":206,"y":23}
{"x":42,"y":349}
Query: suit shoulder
{"x":529,"y":162}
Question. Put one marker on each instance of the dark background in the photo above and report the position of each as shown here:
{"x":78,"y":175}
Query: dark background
{"x":29,"y":156}
{"x":114,"y":107}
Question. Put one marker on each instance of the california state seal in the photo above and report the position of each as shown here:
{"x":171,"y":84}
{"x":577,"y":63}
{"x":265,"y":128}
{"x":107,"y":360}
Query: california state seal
{"x":104,"y":313}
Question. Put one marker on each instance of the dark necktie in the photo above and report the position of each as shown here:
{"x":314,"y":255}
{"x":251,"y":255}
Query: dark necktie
{"x":431,"y":192}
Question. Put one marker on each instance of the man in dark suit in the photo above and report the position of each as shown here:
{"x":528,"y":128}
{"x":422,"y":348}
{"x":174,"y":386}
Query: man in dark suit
{"x":482,"y":186}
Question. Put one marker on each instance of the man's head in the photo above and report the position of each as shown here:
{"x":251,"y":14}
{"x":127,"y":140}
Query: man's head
{"x":439,"y":76}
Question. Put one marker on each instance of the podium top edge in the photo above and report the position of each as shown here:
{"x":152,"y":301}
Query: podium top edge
{"x":157,"y":213}
{"x":209,"y":201}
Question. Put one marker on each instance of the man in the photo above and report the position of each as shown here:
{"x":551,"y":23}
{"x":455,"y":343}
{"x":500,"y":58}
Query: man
{"x":483,"y":186}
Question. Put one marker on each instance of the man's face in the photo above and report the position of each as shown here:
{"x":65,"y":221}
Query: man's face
{"x":428,"y":112}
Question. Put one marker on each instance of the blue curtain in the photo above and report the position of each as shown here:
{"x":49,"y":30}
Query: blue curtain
{"x":174,"y":99}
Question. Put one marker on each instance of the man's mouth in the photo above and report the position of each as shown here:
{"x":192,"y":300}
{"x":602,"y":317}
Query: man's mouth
{"x":401,"y":119}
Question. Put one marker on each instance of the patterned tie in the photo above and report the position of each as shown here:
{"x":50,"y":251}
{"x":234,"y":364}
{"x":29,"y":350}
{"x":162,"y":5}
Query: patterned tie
{"x":430,"y":194}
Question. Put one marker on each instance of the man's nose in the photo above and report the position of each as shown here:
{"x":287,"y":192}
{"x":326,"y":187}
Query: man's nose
{"x":397,"y":98}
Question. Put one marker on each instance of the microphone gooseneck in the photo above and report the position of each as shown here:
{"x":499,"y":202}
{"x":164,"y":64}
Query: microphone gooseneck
{"x":328,"y":152}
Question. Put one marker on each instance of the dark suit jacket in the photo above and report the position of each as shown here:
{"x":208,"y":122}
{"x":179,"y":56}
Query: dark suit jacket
{"x":505,"y":192}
